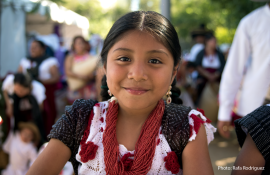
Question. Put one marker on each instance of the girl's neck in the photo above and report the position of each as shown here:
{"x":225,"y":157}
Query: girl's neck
{"x":134,"y":116}
{"x":210,"y":51}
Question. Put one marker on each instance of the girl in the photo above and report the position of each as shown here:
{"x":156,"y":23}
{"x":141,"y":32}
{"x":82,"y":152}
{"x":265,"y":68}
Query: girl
{"x":134,"y":132}
{"x":253,"y":132}
{"x":21,"y":149}
{"x":43,"y":68}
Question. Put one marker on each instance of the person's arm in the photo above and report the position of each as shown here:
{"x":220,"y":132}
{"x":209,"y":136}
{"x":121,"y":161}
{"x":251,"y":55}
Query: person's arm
{"x":195,"y":157}
{"x":20,"y":69}
{"x":210,"y":77}
{"x":9,"y":109}
{"x":70,"y":73}
{"x":52,"y":160}
{"x":54,"y":76}
{"x":249,"y":156}
{"x":232,"y":76}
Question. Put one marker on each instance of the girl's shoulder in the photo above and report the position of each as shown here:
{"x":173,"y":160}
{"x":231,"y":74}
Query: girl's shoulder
{"x":180,"y":125}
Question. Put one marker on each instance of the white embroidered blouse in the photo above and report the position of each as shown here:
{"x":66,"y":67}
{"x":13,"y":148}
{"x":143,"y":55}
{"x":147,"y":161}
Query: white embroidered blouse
{"x":98,"y":125}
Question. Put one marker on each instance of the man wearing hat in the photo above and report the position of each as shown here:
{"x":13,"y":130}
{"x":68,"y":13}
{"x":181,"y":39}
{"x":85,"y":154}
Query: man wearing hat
{"x":251,"y":40}
{"x":198,"y":36}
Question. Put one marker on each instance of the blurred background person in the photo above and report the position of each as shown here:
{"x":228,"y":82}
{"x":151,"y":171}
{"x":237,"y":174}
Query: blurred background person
{"x":24,"y":100}
{"x":251,"y":40}
{"x":80,"y":55}
{"x":43,"y":68}
{"x":210,"y":63}
{"x":21,"y":148}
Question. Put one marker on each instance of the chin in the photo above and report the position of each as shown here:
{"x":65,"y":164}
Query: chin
{"x":137,"y":104}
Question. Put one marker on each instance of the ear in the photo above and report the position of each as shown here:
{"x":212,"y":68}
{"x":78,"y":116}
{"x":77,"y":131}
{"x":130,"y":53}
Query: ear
{"x":175,"y":69}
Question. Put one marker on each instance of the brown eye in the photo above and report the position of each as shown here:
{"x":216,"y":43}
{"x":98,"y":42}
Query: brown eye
{"x":155,"y":61}
{"x":124,"y":59}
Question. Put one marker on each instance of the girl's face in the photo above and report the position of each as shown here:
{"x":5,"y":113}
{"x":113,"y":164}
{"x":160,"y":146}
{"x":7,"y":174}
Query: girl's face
{"x":139,"y":70}
{"x":36,"y":50}
{"x":27,"y":135}
{"x":79,"y":46}
{"x":20,"y":90}
{"x":212,"y":43}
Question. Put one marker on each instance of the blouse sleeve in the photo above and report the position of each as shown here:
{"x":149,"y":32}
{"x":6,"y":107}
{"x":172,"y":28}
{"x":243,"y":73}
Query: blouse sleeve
{"x":8,"y":84}
{"x":258,"y":126}
{"x":196,"y":118}
{"x":70,"y":127}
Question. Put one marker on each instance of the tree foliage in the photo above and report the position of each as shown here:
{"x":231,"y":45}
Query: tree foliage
{"x":221,"y":16}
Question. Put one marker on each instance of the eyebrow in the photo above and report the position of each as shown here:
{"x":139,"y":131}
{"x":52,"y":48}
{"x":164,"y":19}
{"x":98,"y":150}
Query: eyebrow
{"x":151,"y":51}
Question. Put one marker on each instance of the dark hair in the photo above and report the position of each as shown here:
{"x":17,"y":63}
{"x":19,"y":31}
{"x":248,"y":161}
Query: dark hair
{"x":209,"y":37}
{"x":149,"y":21}
{"x":23,"y":79}
{"x":74,"y":40}
{"x":41,"y":44}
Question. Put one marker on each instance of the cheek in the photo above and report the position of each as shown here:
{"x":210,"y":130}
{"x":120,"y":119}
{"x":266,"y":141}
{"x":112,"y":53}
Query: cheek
{"x":161,"y":80}
{"x":115,"y":74}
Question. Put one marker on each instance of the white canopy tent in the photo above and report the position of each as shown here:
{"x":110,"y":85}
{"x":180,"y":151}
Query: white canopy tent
{"x":17,"y":23}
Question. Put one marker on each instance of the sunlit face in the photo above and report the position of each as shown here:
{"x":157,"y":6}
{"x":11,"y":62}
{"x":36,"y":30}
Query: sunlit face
{"x":27,"y":135}
{"x":36,"y":50}
{"x":79,"y":46}
{"x":139,"y":70}
{"x":20,"y":90}
{"x":212,"y":43}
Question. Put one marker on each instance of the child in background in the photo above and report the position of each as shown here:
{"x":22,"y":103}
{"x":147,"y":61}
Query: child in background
{"x":21,"y":149}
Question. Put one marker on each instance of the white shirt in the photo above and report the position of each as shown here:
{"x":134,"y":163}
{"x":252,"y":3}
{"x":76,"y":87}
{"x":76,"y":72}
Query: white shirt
{"x":20,"y":153}
{"x":44,"y":68}
{"x":211,"y":61}
{"x":194,"y":51}
{"x":38,"y":90}
{"x":252,"y":39}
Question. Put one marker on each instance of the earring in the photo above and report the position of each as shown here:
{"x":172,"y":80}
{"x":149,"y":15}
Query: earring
{"x":109,"y":92}
{"x":169,"y":99}
{"x":113,"y":98}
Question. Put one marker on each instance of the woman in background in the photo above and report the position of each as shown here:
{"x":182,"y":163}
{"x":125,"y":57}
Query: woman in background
{"x":45,"y":70}
{"x":210,"y":63}
{"x":80,"y":53}
{"x":24,"y":99}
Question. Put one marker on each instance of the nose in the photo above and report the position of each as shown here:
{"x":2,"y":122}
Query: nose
{"x":138,"y":72}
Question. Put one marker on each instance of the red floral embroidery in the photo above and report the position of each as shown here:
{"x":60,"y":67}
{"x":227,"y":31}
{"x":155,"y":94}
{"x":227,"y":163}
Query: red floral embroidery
{"x":88,"y":151}
{"x":190,"y":131}
{"x":103,"y":111}
{"x":160,"y":132}
{"x":171,"y":162}
{"x":158,"y":141}
{"x":97,"y":104}
{"x":197,"y":122}
{"x":101,"y":129}
{"x":127,"y":161}
{"x":201,"y":111}
{"x":208,"y":120}
{"x":101,"y":119}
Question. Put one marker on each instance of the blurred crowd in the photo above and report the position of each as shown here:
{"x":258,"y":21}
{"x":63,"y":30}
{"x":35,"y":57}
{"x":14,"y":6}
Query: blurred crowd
{"x":31,"y":93}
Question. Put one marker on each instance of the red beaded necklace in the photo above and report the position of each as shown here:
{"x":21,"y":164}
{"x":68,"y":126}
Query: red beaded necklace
{"x":145,"y":146}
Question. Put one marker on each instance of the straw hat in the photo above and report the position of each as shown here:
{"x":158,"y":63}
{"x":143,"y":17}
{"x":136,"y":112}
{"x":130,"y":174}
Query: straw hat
{"x":201,"y":31}
{"x":33,"y":128}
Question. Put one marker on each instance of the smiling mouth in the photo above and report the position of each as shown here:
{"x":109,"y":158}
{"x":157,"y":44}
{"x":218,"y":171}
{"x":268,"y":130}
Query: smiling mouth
{"x":136,"y":91}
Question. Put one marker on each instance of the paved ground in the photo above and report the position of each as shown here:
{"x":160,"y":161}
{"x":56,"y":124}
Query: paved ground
{"x":223,"y":152}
